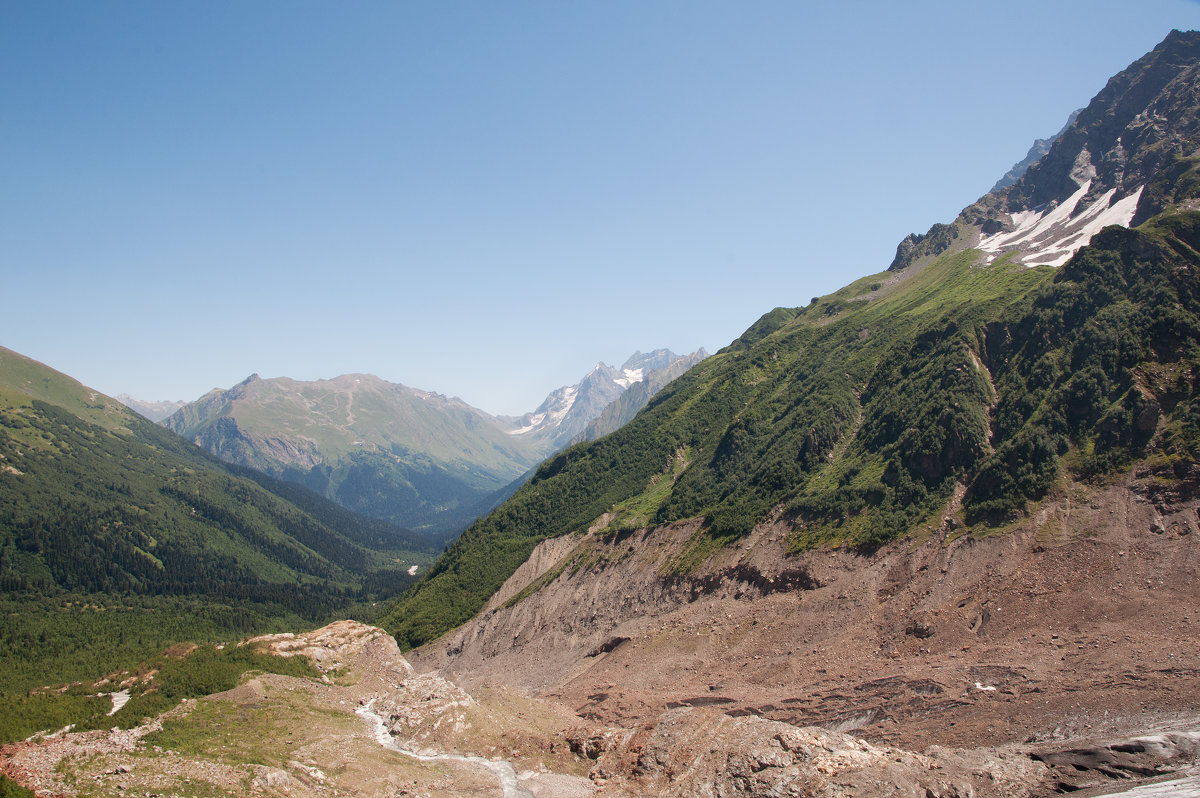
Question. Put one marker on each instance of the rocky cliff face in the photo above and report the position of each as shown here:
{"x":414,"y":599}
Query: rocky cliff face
{"x":1040,"y":147}
{"x":1119,"y":162}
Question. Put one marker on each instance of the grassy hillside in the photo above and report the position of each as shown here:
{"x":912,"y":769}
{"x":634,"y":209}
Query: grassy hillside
{"x":857,"y":416}
{"x":407,"y":456}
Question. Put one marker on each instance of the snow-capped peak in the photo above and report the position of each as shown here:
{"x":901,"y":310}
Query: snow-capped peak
{"x":552,"y":411}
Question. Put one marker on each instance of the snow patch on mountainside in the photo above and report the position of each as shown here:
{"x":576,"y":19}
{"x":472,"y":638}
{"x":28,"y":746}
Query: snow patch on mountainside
{"x":629,"y":377}
{"x":557,"y":408}
{"x":1050,"y":236}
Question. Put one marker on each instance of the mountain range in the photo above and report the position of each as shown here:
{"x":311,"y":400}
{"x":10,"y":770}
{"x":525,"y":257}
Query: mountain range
{"x":564,"y":416}
{"x":416,"y":458}
{"x":153,"y":410}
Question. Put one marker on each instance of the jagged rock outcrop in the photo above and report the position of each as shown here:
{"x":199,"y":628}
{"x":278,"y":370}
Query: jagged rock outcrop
{"x":603,"y":401}
{"x":1119,"y":162}
{"x":1040,"y":147}
{"x":622,"y":409}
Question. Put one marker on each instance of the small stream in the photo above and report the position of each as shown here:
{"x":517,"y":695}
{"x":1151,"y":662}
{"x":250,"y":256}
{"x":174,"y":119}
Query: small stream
{"x":502,"y":769}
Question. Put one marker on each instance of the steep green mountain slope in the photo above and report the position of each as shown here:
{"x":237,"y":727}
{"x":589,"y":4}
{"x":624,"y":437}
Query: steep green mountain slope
{"x":101,"y":508}
{"x":856,"y":419}
{"x":375,"y":447}
{"x":962,"y":383}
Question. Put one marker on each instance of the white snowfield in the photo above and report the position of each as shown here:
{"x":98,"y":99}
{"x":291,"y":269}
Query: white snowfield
{"x":1049,"y":236}
{"x":551,"y":413}
{"x":119,"y":699}
{"x":561,"y":405}
{"x":629,"y":377}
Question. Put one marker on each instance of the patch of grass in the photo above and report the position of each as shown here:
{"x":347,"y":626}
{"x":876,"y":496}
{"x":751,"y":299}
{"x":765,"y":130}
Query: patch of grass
{"x":10,"y":789}
{"x":203,"y":671}
{"x":700,"y":547}
{"x":224,"y":731}
{"x":638,"y":511}
{"x":166,"y":680}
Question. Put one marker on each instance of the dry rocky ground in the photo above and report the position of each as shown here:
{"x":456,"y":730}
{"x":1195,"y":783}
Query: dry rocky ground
{"x":1057,"y":656}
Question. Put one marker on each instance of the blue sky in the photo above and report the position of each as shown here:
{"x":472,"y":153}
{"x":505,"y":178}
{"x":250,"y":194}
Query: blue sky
{"x":484,"y":198}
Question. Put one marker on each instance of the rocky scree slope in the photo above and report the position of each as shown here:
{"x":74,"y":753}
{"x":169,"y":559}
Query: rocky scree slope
{"x":1067,"y":632}
{"x":364,"y":722}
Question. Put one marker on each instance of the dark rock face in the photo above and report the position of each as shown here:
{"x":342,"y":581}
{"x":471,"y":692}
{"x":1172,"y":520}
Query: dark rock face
{"x":1040,"y":147}
{"x":1095,"y":766}
{"x":1142,"y":131}
{"x":939,"y":239}
{"x":1144,"y":117}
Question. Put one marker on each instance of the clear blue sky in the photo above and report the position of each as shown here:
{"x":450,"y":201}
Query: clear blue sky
{"x":486,"y":198}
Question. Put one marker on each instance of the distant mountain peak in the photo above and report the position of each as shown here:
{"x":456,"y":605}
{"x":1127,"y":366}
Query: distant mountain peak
{"x":566,"y":412}
{"x":153,"y":410}
{"x":1040,"y":147}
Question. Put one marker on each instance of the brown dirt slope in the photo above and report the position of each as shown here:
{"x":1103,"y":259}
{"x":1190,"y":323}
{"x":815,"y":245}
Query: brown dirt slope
{"x":1078,"y":625}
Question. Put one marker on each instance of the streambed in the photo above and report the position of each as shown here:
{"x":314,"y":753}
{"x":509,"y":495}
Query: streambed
{"x":503,"y":770}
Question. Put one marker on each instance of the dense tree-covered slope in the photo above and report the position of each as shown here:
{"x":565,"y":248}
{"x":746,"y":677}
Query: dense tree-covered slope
{"x":96,"y":499}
